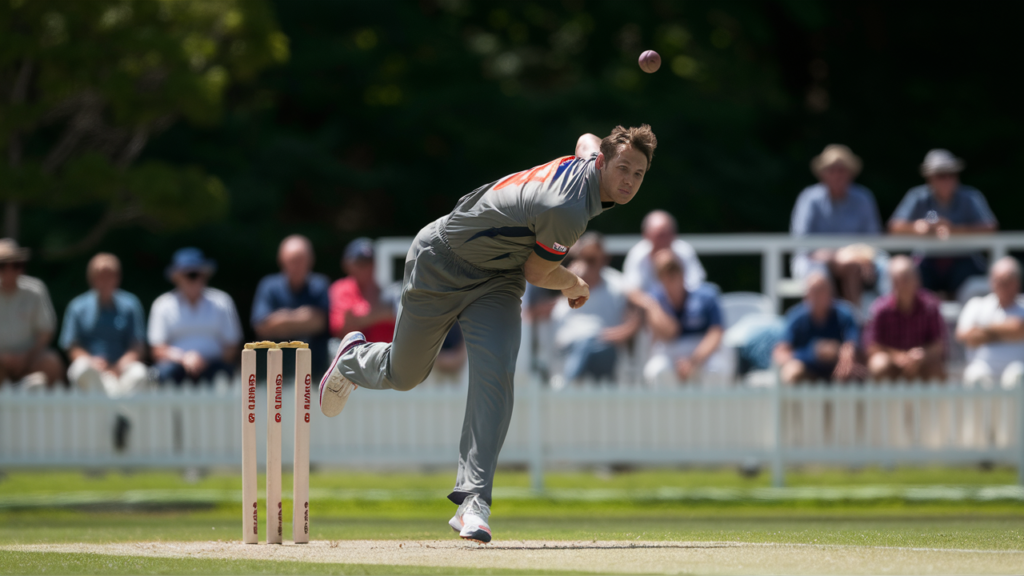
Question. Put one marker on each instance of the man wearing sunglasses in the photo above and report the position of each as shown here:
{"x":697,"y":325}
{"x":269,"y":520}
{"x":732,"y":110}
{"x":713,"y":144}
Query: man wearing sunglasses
{"x":194,"y":329}
{"x":27,"y":323}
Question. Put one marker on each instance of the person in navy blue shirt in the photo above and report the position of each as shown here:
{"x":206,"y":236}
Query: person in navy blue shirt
{"x":943,"y":207}
{"x":687,"y":327}
{"x":820,"y":339}
{"x":104,"y":335}
{"x":293,"y":304}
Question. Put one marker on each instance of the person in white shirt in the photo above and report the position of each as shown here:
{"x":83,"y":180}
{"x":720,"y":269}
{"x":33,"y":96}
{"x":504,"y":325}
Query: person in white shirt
{"x":588,"y":338}
{"x":194,"y":329}
{"x":659,"y":230}
{"x":992,"y":328}
{"x":27,"y":323}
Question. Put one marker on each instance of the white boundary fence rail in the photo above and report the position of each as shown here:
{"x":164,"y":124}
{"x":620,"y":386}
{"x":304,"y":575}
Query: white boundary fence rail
{"x":853,"y":425}
{"x":771,"y":247}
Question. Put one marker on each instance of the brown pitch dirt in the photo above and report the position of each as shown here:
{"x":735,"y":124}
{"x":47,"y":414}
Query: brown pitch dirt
{"x":589,"y":556}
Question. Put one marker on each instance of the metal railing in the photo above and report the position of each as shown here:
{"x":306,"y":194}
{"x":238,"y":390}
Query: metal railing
{"x":771,"y":247}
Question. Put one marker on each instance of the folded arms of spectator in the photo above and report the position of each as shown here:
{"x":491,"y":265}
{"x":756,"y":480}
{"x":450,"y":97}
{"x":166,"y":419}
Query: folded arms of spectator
{"x":1010,"y":330}
{"x":283,"y":323}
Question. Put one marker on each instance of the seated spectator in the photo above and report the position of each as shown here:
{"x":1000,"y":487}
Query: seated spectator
{"x":194,"y":329}
{"x":836,"y":205}
{"x":820,"y":341}
{"x":659,"y":231}
{"x":105,"y":338}
{"x":906,"y":335}
{"x":27,"y":323}
{"x":356,"y":300}
{"x":943,"y":207}
{"x":293,"y":305}
{"x":687,"y":327}
{"x":451,"y":359}
{"x":587,"y":338}
{"x":992,"y":328}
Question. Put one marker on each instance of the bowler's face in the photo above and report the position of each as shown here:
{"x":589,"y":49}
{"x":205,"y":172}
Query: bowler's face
{"x":622,"y":176}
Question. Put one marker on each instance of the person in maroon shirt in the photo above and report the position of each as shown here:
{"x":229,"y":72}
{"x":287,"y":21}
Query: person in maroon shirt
{"x":906,"y":336}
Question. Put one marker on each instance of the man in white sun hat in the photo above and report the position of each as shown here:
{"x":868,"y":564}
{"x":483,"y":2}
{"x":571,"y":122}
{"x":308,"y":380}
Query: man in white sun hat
{"x":943,"y":207}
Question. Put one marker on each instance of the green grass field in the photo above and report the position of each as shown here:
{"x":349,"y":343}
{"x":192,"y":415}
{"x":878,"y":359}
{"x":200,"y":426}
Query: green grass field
{"x":936,"y":509}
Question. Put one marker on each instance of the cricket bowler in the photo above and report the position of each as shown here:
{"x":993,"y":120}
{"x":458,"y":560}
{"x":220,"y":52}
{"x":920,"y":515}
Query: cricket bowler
{"x":472,"y":266}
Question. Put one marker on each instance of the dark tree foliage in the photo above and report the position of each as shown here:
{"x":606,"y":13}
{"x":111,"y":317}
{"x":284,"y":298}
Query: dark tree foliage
{"x":386,"y":113}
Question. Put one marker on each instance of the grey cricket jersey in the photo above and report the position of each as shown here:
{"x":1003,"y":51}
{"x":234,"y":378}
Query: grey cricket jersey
{"x":543,"y":210}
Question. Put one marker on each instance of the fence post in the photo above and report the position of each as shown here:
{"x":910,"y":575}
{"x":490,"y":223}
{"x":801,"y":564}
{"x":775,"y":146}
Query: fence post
{"x":1020,"y":431}
{"x":778,"y":465}
{"x":771,"y":272}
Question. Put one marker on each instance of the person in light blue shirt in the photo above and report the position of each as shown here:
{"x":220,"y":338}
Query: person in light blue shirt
{"x":942,"y":207}
{"x":104,"y":336}
{"x":836,"y":205}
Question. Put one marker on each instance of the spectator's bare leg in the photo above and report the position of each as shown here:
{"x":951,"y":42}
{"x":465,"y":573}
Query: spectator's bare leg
{"x":848,"y":275}
{"x":793,"y":371}
{"x":881,"y":367}
{"x":933,"y":371}
{"x":49,"y":363}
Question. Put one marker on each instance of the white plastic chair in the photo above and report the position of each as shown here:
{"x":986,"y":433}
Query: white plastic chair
{"x":736,"y":305}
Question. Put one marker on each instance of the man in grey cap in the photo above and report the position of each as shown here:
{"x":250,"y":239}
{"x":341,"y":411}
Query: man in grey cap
{"x":471,"y":266}
{"x":942,"y":207}
{"x":27,"y":323}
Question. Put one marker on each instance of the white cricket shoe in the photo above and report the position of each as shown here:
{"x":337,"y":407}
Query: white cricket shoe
{"x":335,"y":388}
{"x":470,"y":520}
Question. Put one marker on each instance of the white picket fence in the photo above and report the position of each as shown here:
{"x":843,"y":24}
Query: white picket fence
{"x":847,"y":425}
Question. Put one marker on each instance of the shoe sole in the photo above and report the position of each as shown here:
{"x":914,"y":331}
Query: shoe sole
{"x":337,"y":384}
{"x":478,"y":536}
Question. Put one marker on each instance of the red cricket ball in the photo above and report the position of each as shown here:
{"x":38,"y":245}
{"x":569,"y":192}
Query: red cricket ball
{"x":650,"y":61}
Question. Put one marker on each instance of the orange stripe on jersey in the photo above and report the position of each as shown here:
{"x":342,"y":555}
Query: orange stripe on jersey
{"x":538,"y":174}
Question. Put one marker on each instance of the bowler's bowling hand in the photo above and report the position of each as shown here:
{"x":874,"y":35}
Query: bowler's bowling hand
{"x":577,"y":294}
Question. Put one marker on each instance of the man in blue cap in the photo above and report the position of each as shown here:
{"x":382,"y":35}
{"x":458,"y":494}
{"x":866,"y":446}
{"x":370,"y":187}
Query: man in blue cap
{"x":194,"y":329}
{"x":471,"y":267}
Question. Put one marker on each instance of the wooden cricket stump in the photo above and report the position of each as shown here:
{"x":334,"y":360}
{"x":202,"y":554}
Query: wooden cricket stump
{"x":275,"y":396}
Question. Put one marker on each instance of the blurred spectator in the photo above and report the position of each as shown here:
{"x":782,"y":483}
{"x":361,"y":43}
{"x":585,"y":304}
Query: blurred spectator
{"x":659,"y":230}
{"x":943,"y":207}
{"x":452,"y":357}
{"x":587,"y":338}
{"x":27,"y":323}
{"x":356,"y":300}
{"x":194,"y":329}
{"x":992,"y":328}
{"x":820,"y":341}
{"x":687,"y":327}
{"x":836,"y":205}
{"x":105,"y":338}
{"x":293,"y":304}
{"x":906,"y":335}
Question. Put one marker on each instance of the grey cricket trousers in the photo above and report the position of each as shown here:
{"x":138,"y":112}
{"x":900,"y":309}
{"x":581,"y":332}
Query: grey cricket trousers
{"x":439,"y":288}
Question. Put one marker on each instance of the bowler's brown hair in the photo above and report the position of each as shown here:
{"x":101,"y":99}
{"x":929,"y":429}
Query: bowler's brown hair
{"x":641,"y":139}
